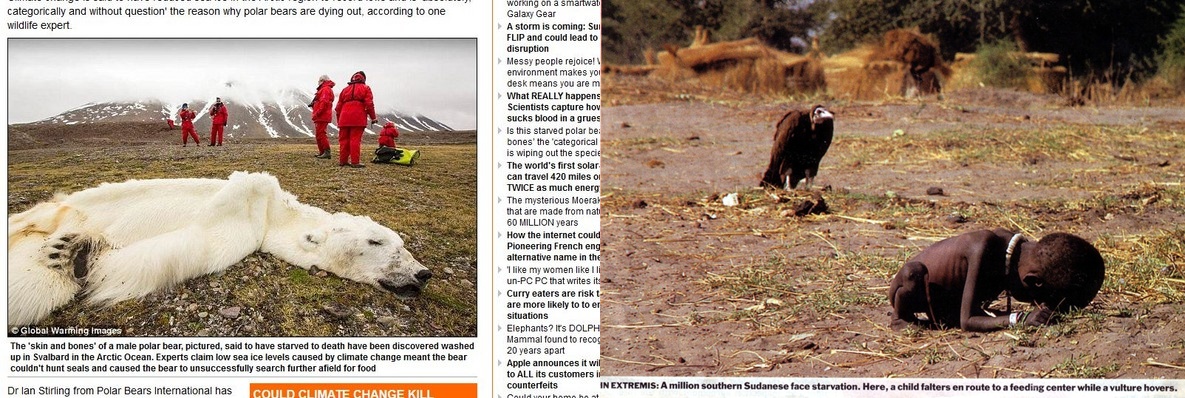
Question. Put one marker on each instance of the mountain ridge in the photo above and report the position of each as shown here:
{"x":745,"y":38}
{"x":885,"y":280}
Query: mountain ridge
{"x":253,"y":114}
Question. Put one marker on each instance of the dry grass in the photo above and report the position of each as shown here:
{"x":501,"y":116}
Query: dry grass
{"x":808,"y":293}
{"x":1143,"y":270}
{"x":743,"y":65}
{"x":432,"y":204}
{"x":776,"y":294}
{"x":1082,"y":367}
{"x":884,"y":69}
{"x":1013,"y":146}
{"x":1151,"y":268}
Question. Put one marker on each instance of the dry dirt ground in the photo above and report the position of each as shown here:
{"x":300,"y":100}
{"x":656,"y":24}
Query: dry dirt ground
{"x":691,"y":287}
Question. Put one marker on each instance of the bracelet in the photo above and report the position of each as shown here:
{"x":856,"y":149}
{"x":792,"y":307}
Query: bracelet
{"x":1017,"y":318}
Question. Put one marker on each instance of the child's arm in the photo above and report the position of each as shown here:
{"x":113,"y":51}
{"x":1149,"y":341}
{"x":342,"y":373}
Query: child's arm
{"x":984,"y":323}
{"x":976,"y":323}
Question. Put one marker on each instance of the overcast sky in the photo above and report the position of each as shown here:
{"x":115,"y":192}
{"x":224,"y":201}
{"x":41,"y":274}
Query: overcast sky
{"x":433,"y":77}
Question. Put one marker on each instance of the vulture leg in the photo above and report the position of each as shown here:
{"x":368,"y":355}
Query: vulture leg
{"x":796,"y":175}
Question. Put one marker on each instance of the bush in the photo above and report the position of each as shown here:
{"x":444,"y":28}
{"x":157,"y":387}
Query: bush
{"x":1171,"y":60}
{"x":998,"y":65}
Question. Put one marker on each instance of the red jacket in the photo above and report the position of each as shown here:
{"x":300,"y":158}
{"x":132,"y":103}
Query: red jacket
{"x":388,"y":135}
{"x":186,"y":117}
{"x":218,"y":114}
{"x":323,"y":103}
{"x":355,"y":103}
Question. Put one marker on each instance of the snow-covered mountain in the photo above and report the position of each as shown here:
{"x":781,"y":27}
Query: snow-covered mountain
{"x":253,"y":114}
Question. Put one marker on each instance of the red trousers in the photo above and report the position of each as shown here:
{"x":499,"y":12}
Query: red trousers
{"x":216,"y":134}
{"x":322,"y":137}
{"x":349,"y":144}
{"x":186,"y":132}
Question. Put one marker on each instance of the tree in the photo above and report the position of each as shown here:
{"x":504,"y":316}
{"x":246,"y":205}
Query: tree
{"x":783,"y":24}
{"x":629,"y":27}
{"x":1098,"y":38}
{"x":1101,"y":39}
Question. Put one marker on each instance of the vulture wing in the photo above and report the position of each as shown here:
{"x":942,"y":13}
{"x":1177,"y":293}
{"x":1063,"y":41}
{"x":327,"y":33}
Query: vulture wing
{"x":794,"y":126}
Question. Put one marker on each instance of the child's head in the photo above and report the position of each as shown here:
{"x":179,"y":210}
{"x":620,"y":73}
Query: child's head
{"x":1066,"y":272}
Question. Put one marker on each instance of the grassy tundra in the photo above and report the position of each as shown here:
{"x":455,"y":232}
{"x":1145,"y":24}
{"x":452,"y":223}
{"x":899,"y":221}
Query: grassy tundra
{"x":432,"y":205}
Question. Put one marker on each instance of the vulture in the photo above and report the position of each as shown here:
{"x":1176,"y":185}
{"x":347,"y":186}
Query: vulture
{"x":801,"y":140}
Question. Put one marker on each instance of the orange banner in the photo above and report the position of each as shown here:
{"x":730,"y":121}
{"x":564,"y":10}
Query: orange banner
{"x":362,"y":390}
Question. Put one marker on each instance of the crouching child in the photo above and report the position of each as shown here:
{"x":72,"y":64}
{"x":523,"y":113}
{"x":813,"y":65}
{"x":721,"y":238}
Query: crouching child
{"x":953,"y":281}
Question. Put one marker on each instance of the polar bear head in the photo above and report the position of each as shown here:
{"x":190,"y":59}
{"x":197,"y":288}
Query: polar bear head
{"x":359,"y":249}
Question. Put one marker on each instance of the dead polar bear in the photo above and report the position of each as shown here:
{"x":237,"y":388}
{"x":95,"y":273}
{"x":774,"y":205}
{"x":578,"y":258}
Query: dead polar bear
{"x":125,"y":240}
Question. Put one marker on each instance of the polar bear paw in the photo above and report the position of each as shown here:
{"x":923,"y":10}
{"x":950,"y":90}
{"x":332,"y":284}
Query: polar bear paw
{"x":68,"y":254}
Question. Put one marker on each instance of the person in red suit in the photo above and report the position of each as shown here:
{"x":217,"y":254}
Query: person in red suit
{"x":218,"y":118}
{"x":388,"y":135}
{"x":354,"y":104}
{"x":186,"y":116}
{"x":322,"y":114}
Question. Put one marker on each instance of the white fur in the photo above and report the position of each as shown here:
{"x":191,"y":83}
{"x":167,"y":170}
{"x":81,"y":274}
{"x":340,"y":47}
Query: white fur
{"x":147,"y":235}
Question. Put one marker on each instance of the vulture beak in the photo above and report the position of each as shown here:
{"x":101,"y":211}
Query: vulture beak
{"x":822,"y":114}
